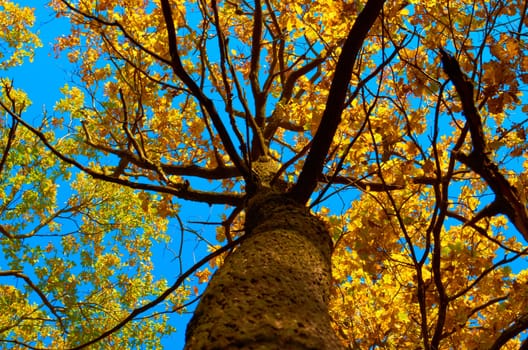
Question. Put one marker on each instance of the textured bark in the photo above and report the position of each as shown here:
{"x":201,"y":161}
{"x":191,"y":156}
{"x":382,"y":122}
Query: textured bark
{"x":272,"y":292}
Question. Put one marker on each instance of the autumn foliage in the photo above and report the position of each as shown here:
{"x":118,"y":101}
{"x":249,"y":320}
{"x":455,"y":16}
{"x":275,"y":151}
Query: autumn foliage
{"x":175,"y":104}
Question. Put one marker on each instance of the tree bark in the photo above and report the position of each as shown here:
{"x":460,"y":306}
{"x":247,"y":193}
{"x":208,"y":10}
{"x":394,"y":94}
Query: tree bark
{"x":272,"y":292}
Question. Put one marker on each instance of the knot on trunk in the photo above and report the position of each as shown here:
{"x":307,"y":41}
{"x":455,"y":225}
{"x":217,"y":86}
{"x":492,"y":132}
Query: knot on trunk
{"x":264,"y":170}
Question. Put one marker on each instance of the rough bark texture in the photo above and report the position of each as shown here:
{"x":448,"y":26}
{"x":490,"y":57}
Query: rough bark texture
{"x":272,"y":292}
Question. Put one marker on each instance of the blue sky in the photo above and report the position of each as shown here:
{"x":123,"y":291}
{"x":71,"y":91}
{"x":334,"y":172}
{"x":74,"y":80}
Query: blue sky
{"x":43,"y":77}
{"x":42,"y":80}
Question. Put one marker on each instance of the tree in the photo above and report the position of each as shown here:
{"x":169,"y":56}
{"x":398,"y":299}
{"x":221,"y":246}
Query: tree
{"x":369,"y":157}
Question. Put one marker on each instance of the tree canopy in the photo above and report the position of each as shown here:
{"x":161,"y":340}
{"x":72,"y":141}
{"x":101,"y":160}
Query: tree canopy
{"x":401,"y":123}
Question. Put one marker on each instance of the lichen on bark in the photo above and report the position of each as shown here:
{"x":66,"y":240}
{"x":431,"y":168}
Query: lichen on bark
{"x":272,"y":291}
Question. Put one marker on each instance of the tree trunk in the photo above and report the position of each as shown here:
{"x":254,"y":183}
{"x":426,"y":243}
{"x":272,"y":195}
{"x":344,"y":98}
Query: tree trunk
{"x":272,"y":291}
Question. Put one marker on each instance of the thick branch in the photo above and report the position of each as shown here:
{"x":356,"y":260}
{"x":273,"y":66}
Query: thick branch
{"x":9,"y":143}
{"x":507,"y":199}
{"x":336,"y":101}
{"x":12,"y":130}
{"x":520,"y":325}
{"x":256,"y":38}
{"x":293,"y":77}
{"x":464,"y":87}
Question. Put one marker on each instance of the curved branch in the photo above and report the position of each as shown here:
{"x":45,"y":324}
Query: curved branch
{"x":22,"y":344}
{"x":360,"y":184}
{"x":507,"y":199}
{"x":164,"y":295}
{"x":518,"y":326}
{"x":465,"y":90}
{"x":481,"y":231}
{"x":484,"y":273}
{"x":207,"y":104}
{"x":37,"y":290}
{"x":127,"y":35}
{"x":218,"y":173}
{"x":276,"y":120}
{"x":179,"y":70}
{"x":336,"y":101}
{"x":182,"y":191}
